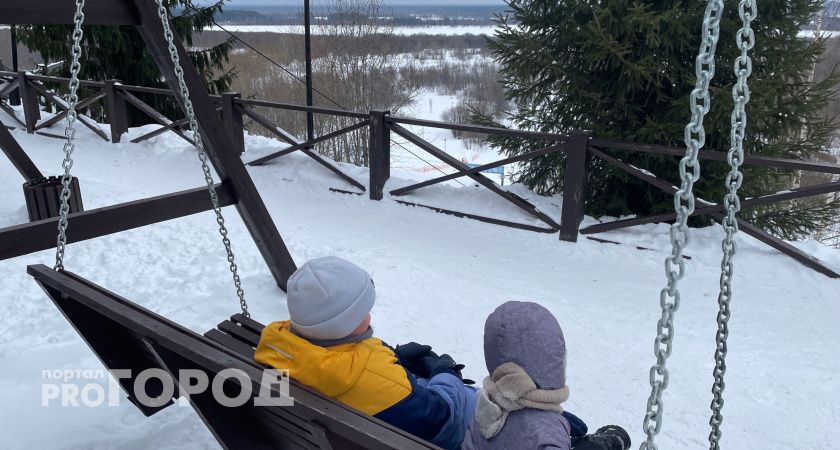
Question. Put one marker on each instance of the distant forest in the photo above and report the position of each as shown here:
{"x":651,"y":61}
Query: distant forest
{"x":398,"y":15}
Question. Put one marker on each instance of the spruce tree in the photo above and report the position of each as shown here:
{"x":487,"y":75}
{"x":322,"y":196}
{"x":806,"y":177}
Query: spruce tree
{"x":118,"y":52}
{"x":625,"y":68}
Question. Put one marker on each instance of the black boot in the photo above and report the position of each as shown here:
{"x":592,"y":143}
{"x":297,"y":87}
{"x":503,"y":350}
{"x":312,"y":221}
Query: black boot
{"x":610,"y":437}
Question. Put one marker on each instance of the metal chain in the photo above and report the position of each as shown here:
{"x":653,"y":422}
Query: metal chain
{"x":669,"y":297}
{"x":745,"y":39}
{"x":70,"y":134}
{"x":202,"y":154}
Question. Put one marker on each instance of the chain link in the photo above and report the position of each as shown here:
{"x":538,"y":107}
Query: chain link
{"x":202,"y":154}
{"x":745,"y":39}
{"x":669,"y":297}
{"x":70,"y":134}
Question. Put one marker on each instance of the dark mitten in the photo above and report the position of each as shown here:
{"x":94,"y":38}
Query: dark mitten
{"x":411,"y":357}
{"x":577,"y":427}
{"x":444,"y":364}
{"x":610,"y":437}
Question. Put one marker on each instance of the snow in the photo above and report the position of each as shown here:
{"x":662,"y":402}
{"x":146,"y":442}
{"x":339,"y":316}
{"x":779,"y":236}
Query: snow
{"x":437,"y":278}
{"x":443,"y":30}
{"x":828,"y":34}
{"x":421,"y":165}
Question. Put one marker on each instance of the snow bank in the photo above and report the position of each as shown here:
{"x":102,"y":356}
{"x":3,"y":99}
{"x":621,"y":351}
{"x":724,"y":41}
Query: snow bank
{"x":437,"y":278}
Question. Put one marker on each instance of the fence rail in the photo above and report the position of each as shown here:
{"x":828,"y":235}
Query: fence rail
{"x":579,"y":147}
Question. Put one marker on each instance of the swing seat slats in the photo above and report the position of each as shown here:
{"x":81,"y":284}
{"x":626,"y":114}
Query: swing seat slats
{"x":125,"y":335}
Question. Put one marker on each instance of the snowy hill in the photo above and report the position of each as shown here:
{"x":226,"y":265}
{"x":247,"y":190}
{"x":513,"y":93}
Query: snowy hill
{"x":437,"y":279}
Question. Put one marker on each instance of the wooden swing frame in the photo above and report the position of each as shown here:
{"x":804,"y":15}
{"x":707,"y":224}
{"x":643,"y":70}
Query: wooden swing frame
{"x":126,"y":336}
{"x":236,"y":186}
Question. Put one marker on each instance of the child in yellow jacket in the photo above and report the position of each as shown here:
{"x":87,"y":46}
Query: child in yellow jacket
{"x":328,"y":345}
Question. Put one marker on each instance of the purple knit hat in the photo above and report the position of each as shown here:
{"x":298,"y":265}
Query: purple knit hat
{"x":527,"y":334}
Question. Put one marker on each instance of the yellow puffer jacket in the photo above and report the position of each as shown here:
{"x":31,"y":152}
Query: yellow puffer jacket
{"x":364,"y":375}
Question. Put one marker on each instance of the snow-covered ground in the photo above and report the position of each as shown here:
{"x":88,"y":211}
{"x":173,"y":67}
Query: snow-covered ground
{"x":437,"y":278}
{"x":432,"y":105}
{"x":421,"y":165}
{"x":829,"y":34}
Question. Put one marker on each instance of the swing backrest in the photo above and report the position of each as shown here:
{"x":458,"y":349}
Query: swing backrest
{"x":127,"y":336}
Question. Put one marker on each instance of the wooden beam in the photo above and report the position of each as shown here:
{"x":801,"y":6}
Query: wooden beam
{"x":782,"y":246}
{"x":31,"y":237}
{"x":59,"y":12}
{"x":218,"y":145}
{"x":643,"y":175}
{"x":59,"y":102}
{"x":746,"y":227}
{"x":17,"y":156}
{"x":638,"y":247}
{"x":464,"y":215}
{"x":477,"y":177}
{"x":51,"y":135}
{"x":8,"y":88}
{"x":293,"y":107}
{"x":525,"y":156}
{"x":79,"y":107}
{"x":626,"y":223}
{"x":171,"y":127}
{"x":302,"y":145}
{"x":710,"y":155}
{"x":286,"y":136}
{"x":504,"y":223}
{"x":151,"y":112}
{"x":481,"y":129}
{"x":11,"y":112}
{"x":270,"y":126}
{"x":792,"y":194}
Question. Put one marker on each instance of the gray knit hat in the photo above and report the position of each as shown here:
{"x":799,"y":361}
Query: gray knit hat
{"x":329,"y":297}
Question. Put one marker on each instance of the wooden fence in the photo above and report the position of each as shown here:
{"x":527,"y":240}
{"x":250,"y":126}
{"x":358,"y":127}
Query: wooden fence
{"x":579,"y":146}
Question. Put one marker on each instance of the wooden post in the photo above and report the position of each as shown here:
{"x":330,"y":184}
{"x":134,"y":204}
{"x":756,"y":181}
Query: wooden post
{"x":574,"y":185}
{"x":232,"y":119}
{"x":117,"y":112}
{"x":29,"y":99}
{"x":379,"y":153}
{"x":307,"y":47}
{"x":14,"y":97}
{"x":229,"y":167}
{"x":17,"y":156}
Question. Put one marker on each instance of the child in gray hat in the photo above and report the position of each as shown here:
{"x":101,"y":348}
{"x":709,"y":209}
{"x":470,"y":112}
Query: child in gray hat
{"x":328,"y":345}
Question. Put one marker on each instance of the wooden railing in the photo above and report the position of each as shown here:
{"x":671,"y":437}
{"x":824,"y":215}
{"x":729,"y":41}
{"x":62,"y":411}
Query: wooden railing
{"x":579,"y":146}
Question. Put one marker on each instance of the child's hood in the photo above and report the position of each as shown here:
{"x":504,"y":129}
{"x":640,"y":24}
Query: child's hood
{"x":331,"y":370}
{"x":527,"y":334}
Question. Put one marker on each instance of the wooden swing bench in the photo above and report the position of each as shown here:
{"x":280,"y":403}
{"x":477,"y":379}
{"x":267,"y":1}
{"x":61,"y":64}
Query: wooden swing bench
{"x":125,"y":335}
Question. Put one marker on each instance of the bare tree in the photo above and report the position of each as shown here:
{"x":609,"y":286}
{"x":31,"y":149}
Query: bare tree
{"x":358,"y":71}
{"x":357,"y":62}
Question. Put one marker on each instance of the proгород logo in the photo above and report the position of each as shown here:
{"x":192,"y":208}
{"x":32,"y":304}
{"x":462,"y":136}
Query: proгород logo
{"x":154,"y":388}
